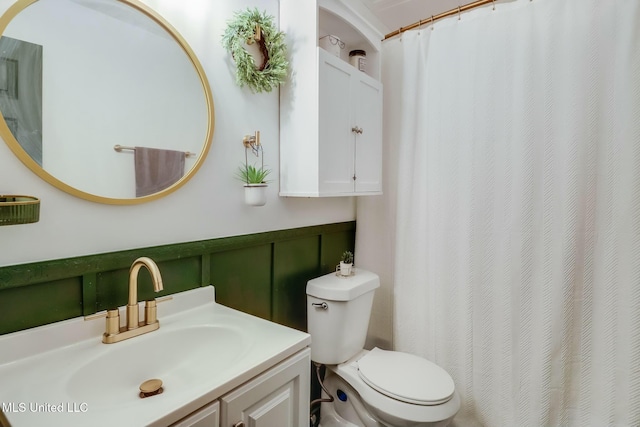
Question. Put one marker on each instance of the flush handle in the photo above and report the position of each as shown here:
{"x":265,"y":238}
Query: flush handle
{"x":239,"y":424}
{"x":322,"y":305}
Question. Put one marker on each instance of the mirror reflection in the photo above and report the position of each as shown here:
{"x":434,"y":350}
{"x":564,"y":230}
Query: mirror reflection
{"x":80,"y":77}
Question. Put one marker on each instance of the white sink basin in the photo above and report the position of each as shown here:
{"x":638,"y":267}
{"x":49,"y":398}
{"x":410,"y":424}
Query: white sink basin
{"x":176,"y":357}
{"x":62,"y":374}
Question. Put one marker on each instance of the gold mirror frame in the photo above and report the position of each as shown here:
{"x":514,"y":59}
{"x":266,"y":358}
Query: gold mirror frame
{"x":13,"y":144}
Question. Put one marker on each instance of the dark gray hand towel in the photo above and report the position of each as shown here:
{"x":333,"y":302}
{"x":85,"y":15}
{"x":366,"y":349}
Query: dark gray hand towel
{"x":157,"y":169}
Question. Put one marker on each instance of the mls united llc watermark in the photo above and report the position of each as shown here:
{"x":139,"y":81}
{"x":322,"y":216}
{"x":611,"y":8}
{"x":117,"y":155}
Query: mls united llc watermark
{"x":66,"y":407}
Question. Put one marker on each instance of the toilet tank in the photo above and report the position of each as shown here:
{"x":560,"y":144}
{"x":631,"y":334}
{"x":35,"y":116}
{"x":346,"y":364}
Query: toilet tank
{"x":338,"y":312}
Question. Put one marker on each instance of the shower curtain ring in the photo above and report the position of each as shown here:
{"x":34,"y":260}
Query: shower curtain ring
{"x":494,"y":4}
{"x":431,"y":22}
{"x":458,"y":13}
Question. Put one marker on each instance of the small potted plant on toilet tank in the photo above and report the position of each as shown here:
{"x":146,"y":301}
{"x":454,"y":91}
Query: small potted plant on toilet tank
{"x":346,"y":263}
{"x":255,"y":184}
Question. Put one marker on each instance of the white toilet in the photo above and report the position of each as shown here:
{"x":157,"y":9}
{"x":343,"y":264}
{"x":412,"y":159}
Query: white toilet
{"x":374,"y":388}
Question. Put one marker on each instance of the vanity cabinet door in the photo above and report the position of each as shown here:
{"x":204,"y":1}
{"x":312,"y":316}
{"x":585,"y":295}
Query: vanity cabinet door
{"x":277,"y":398}
{"x":208,"y":416}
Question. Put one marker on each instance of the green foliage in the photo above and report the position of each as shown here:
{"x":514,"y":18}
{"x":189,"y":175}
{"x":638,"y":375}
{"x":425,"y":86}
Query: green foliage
{"x":347,"y":257}
{"x":252,"y":175}
{"x":242,"y":28}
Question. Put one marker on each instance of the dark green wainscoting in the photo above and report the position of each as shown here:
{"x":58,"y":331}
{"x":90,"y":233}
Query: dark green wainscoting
{"x":264,"y":274}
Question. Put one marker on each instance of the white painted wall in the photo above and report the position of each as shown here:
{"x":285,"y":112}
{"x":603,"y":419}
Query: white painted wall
{"x":376,"y":216}
{"x":209,"y":206}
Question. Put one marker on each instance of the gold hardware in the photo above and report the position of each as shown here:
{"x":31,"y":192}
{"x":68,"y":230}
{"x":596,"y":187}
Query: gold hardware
{"x":251,"y":141}
{"x":431,"y":22}
{"x":458,"y":13}
{"x":132,"y":307}
{"x":113,"y":332}
{"x":450,"y":12}
{"x":103,"y":313}
{"x":150,"y":312}
{"x":113,"y":322}
{"x":257,"y":35}
{"x":151,"y":388}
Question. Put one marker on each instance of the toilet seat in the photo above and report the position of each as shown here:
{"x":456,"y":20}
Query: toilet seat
{"x":390,"y":410}
{"x":406,"y":377}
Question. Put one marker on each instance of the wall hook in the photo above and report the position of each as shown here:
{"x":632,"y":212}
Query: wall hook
{"x":256,"y":36}
{"x":253,"y":142}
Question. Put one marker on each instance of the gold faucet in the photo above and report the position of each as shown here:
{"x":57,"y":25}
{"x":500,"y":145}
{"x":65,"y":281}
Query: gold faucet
{"x":114,"y":333}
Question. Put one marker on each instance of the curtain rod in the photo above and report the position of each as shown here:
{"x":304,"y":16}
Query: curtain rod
{"x":433,"y":18}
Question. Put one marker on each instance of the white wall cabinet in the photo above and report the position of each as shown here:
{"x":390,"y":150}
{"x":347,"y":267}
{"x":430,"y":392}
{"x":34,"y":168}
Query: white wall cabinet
{"x":279,"y":397}
{"x":330,"y":112}
{"x":350,"y":128}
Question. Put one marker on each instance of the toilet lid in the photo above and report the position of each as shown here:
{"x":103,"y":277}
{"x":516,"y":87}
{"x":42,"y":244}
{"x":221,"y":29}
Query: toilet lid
{"x":406,"y":377}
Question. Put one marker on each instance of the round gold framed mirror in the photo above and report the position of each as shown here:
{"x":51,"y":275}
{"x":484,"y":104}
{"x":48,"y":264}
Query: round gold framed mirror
{"x":103,"y":99}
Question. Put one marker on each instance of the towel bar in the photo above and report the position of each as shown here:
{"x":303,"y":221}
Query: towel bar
{"x":119,"y":148}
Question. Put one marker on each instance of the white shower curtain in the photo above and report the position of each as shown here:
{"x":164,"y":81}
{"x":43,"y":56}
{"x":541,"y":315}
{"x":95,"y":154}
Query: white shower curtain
{"x":517,"y":264}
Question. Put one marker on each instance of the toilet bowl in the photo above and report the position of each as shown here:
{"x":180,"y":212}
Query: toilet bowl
{"x":375,"y":388}
{"x":407,"y":392}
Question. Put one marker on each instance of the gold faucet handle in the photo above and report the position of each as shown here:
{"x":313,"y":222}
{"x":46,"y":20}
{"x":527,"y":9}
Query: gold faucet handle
{"x":113,"y":322}
{"x":150,"y":312}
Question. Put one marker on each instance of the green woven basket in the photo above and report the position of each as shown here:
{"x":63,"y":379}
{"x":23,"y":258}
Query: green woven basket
{"x":19,"y":209}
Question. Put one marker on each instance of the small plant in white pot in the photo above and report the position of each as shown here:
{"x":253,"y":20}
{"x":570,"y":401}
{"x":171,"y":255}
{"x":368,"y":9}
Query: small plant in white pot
{"x":346,"y":263}
{"x":255,"y":184}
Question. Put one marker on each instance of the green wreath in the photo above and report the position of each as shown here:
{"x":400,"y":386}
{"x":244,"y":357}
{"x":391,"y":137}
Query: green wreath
{"x":241,"y":30}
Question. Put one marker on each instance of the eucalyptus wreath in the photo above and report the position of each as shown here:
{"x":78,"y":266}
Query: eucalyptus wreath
{"x":240,"y":30}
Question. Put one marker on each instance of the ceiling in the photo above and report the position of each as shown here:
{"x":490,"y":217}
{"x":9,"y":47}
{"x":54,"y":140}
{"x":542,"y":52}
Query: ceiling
{"x":401,"y":13}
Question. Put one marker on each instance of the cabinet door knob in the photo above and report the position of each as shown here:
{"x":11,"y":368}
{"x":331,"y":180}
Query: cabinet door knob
{"x":239,"y":424}
{"x":356,"y":129}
